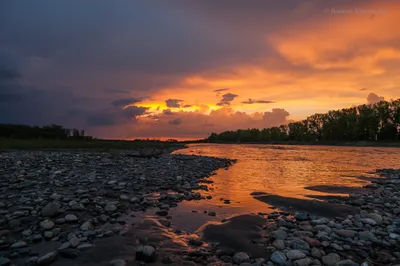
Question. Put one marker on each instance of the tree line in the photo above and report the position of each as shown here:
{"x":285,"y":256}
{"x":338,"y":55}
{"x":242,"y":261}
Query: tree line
{"x":13,"y":131}
{"x":374,"y":122}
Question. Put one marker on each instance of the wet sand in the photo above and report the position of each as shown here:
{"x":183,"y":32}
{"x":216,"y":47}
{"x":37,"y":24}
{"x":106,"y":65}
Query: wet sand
{"x":324,"y":209}
{"x":338,"y":189}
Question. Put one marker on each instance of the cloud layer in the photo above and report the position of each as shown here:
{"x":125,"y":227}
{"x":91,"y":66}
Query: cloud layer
{"x":188,"y":68}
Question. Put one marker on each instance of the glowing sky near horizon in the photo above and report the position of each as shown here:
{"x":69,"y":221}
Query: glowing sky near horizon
{"x":183,"y":69}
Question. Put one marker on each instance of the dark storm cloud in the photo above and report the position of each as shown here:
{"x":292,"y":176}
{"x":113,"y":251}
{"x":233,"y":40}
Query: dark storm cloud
{"x":125,"y":101}
{"x":219,"y":90}
{"x":252,"y":101}
{"x":134,"y":111}
{"x":175,"y":122}
{"x":227,"y":99}
{"x":173,"y":103}
{"x":168,"y":112}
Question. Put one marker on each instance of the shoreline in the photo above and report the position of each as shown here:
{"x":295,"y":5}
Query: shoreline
{"x":302,"y":143}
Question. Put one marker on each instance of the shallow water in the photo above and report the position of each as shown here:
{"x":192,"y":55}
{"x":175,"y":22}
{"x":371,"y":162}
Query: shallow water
{"x":280,"y":170}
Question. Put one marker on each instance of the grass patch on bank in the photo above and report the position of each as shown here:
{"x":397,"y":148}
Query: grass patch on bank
{"x":42,"y":144}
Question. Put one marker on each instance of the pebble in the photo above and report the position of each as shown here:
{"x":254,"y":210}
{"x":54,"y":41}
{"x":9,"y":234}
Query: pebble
{"x":19,"y":244}
{"x":279,"y":258}
{"x":240,"y":258}
{"x":47,"y":224}
{"x":145,"y":253}
{"x":70,"y":218}
{"x":331,"y":259}
{"x":84,"y":246}
{"x":279,"y":234}
{"x":47,"y":259}
{"x":294,"y":254}
{"x":50,"y":210}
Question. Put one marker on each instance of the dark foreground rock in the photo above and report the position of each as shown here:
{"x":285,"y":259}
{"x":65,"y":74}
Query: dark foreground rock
{"x":72,"y":198}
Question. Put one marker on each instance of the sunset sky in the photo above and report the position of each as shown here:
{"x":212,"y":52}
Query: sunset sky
{"x":183,"y":68}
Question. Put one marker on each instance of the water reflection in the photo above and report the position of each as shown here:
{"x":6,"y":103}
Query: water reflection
{"x":285,"y":171}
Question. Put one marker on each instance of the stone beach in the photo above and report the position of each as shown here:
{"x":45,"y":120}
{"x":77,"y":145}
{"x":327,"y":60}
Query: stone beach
{"x":84,"y":208}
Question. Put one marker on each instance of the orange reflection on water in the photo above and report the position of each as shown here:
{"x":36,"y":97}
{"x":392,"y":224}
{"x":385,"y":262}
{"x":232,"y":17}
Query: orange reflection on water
{"x":285,"y":171}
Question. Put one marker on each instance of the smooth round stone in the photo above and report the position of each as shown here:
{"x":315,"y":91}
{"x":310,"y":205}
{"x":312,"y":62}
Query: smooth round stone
{"x":331,"y":259}
{"x":146,"y":253}
{"x":240,"y":258}
{"x":70,"y":218}
{"x":279,"y":234}
{"x":279,"y":258}
{"x":47,"y":224}
{"x":295,"y":254}
{"x":110,"y":207}
{"x":47,"y":259}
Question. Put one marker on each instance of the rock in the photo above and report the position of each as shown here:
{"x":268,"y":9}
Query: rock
{"x":303,"y":262}
{"x":47,"y":259}
{"x":110,"y":207}
{"x":346,"y":263}
{"x":48,"y":234}
{"x":145,"y":253}
{"x":316,"y":253}
{"x":279,"y":234}
{"x":376,"y":217}
{"x":336,"y":247}
{"x":279,"y":258}
{"x":346,"y":233}
{"x":19,"y":244}
{"x":47,"y":224}
{"x":50,"y":210}
{"x":279,"y":244}
{"x":86,"y":226}
{"x":117,"y":262}
{"x":84,"y":246}
{"x":241,"y":257}
{"x":64,"y":246}
{"x":212,"y":213}
{"x":4,"y":261}
{"x":74,"y":242}
{"x":124,"y":197}
{"x":299,"y":244}
{"x":369,"y":221}
{"x":71,"y":218}
{"x":301,"y":216}
{"x":368,"y":236}
{"x":295,"y":254}
{"x":331,"y":259}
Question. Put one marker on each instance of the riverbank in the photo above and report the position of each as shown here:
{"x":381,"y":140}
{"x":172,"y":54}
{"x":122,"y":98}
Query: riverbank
{"x":48,"y":144}
{"x":55,"y":205}
{"x":317,"y":143}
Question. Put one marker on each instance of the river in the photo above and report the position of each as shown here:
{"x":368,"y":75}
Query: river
{"x":283,"y":170}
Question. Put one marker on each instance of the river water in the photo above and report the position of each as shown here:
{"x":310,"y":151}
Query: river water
{"x":283,"y":170}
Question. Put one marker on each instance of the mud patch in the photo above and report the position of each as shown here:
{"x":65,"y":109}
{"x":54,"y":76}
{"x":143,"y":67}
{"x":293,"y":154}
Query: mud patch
{"x":241,"y":233}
